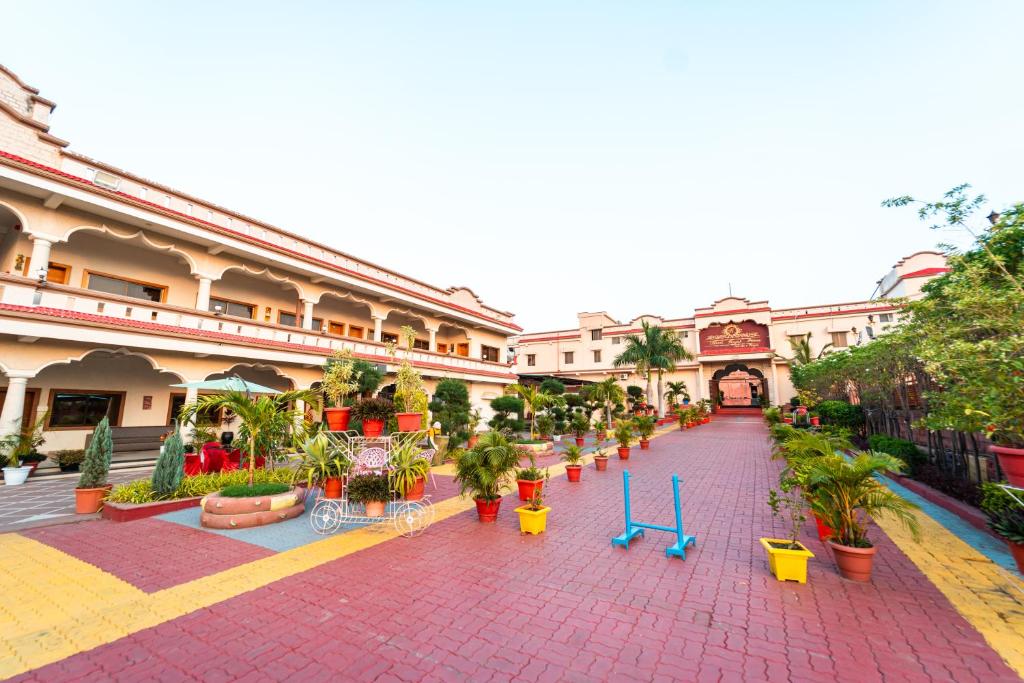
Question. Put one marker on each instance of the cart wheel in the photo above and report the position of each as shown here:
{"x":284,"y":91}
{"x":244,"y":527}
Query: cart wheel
{"x":412,"y":517}
{"x":325,"y":517}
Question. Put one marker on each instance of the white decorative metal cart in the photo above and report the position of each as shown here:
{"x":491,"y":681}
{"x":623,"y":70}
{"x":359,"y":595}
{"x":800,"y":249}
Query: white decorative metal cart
{"x":371,"y":456}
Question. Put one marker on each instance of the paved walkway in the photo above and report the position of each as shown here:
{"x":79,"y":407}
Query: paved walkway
{"x":466,"y":601}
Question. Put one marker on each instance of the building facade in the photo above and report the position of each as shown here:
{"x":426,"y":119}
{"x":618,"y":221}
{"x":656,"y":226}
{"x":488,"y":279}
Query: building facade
{"x":741,"y":348}
{"x":113,"y":288}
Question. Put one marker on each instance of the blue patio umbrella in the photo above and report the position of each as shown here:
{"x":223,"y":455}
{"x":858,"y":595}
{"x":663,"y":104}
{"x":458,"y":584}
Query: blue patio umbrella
{"x":234,"y":383}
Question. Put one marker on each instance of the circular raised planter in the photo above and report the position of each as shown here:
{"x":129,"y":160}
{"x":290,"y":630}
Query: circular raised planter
{"x":536,"y":447}
{"x":220,"y":512}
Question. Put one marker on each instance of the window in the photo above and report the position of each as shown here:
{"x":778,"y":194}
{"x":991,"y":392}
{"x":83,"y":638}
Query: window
{"x":568,"y":357}
{"x":531,"y":359}
{"x":288,"y":319}
{"x":356,"y":332}
{"x":71,"y":409}
{"x":443,"y":348}
{"x":136,"y":290}
{"x":421,"y":344}
{"x":489,"y":353}
{"x":462,"y":349}
{"x":336,"y":328}
{"x":885,"y":318}
{"x":318,"y":323}
{"x":839,"y":339}
{"x":597,"y":356}
{"x":388,"y":337}
{"x":235,"y":308}
{"x":57,"y":273}
{"x":616,"y":341}
{"x":174,"y":407}
{"x":595,"y":335}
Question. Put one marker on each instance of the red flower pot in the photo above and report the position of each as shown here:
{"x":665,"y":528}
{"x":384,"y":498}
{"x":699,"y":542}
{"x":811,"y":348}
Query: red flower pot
{"x":707,"y":419}
{"x":1011,"y":460}
{"x":409,"y":422}
{"x":815,"y":421}
{"x":824,"y":531}
{"x":788,"y":420}
{"x":579,"y":441}
{"x":1017,"y":550}
{"x":623,"y":452}
{"x":373,"y":428}
{"x":854,"y":563}
{"x":573,"y":472}
{"x":487,"y":511}
{"x":416,"y":492}
{"x":337,"y":418}
{"x":88,"y":501}
{"x":644,"y":444}
{"x":472,"y":440}
{"x":601,"y":464}
{"x":332,"y":487}
{"x":528,"y":487}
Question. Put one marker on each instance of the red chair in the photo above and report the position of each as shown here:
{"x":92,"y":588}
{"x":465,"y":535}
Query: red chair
{"x":192,"y":465}
{"x":213,"y":457}
{"x":233,"y":461}
{"x":260,"y":461}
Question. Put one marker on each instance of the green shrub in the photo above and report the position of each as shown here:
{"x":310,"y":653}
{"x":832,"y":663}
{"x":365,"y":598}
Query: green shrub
{"x":450,"y":406}
{"x":169,"y":468}
{"x":995,"y":500}
{"x":772,"y":416}
{"x":267,"y":488}
{"x":67,"y":457}
{"x":900,"y":448}
{"x":96,"y":464}
{"x":141,"y":491}
{"x":369,"y":487}
{"x":841,"y":414}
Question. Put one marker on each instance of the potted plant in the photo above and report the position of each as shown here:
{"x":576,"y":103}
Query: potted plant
{"x":373,"y":413}
{"x":484,"y":470}
{"x":1005,"y":518}
{"x":338,"y":384}
{"x":407,"y":471}
{"x":474,"y":423}
{"x":372,"y":490}
{"x":19,"y":452}
{"x":320,"y":463}
{"x":572,"y":457}
{"x":92,"y":485}
{"x":1006,"y":431}
{"x":787,"y":558}
{"x":580,"y":426}
{"x":533,"y":517}
{"x":545,"y":425}
{"x":624,"y":435}
{"x":645,"y":428}
{"x":845,"y":494}
{"x":815,"y":420}
{"x":529,"y":479}
{"x":68,"y":460}
{"x":410,"y":397}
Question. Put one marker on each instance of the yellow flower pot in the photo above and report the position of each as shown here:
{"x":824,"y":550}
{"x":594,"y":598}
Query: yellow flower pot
{"x":787,"y":564}
{"x":532,"y":521}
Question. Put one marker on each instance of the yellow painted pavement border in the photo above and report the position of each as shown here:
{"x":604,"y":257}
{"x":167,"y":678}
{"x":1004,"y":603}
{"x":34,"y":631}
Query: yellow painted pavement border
{"x":56,"y":605}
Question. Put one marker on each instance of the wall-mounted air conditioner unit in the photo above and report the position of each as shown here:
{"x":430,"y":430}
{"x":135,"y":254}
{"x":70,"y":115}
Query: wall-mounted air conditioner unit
{"x":623,"y":376}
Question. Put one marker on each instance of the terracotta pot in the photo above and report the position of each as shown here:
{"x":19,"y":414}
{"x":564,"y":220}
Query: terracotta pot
{"x":374,"y":508}
{"x":1017,"y":550}
{"x":573,"y":472}
{"x":824,"y":531}
{"x":579,"y":441}
{"x":373,"y":428}
{"x":623,"y":452}
{"x":1011,"y":460}
{"x":707,"y":419}
{"x":527,"y":488}
{"x":472,"y":440}
{"x":337,"y":418}
{"x":601,"y":464}
{"x":788,"y":420}
{"x":682,"y":427}
{"x":854,"y":563}
{"x":644,"y":444}
{"x":332,"y":487}
{"x":416,"y":492}
{"x":487,"y":511}
{"x":409,"y":422}
{"x":88,"y":501}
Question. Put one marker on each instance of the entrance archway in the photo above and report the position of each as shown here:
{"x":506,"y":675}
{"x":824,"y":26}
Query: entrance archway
{"x":739,"y":386}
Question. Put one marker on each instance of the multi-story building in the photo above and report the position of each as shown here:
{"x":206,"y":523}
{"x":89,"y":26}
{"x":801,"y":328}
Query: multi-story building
{"x":114,"y":287}
{"x":741,"y":348}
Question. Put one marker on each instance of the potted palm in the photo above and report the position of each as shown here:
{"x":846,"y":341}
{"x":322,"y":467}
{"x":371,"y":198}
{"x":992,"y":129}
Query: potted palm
{"x":600,"y":457}
{"x":338,"y":384}
{"x":484,"y":470}
{"x":320,"y":463}
{"x":845,"y":494}
{"x":68,"y":460}
{"x":572,"y":457}
{"x":372,"y":490}
{"x":474,"y":423}
{"x":624,"y":435}
{"x":533,"y":517}
{"x":645,"y":428}
{"x":22,"y":458}
{"x":580,"y":426}
{"x":529,"y":479}
{"x":410,"y":399}
{"x":406,"y":470}
{"x":545,"y":424}
{"x":373,"y":413}
{"x":92,"y":485}
{"x":787,"y":558}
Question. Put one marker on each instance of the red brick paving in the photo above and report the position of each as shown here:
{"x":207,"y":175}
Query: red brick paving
{"x":475,"y":602}
{"x":150,"y":554}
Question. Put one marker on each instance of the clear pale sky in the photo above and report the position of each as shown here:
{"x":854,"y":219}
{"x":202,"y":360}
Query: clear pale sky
{"x":556,"y":157}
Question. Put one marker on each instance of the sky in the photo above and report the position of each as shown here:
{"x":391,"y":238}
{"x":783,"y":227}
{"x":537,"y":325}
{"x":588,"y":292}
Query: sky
{"x":555,"y":157}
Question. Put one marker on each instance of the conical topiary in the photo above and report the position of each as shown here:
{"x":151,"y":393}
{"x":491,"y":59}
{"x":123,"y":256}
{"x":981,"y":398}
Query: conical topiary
{"x":170,"y":466}
{"x":97,"y":458}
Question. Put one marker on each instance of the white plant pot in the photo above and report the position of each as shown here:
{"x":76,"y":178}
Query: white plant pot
{"x":14,"y":476}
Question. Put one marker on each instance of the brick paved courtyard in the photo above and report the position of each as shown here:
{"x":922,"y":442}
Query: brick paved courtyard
{"x":466,"y":601}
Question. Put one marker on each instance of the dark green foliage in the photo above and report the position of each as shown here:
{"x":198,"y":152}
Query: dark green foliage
{"x":635,"y":393}
{"x":995,"y":499}
{"x":369,"y":487}
{"x":71,"y":456}
{"x":450,"y":406}
{"x":841,"y":414}
{"x":169,"y":466}
{"x":367,"y":376}
{"x":552,"y":386}
{"x":244,"y":491}
{"x":96,"y":463}
{"x":574,"y":400}
{"x":373,"y":409}
{"x":1009,"y":524}
{"x":900,"y":448}
{"x":504,"y":408}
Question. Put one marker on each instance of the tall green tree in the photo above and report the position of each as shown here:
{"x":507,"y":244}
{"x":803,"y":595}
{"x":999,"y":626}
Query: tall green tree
{"x":655,"y":349}
{"x":606,"y":392}
{"x":536,"y":399}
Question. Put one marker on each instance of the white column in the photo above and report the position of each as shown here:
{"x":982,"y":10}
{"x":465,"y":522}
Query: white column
{"x":203,"y":296}
{"x":378,"y":328}
{"x":307,"y":314}
{"x":774,"y":398}
{"x":698,"y":395}
{"x":433,"y":339}
{"x":40,"y":256}
{"x":14,"y":404}
{"x":300,"y":407}
{"x":184,"y":428}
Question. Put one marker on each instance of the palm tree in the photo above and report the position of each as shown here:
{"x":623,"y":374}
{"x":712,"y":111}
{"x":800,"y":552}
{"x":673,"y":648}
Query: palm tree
{"x":802,"y":354}
{"x":654,"y":349}
{"x":536,"y":400}
{"x":607,"y":392}
{"x":266,"y":420}
{"x":484,"y":470}
{"x":676,"y":390}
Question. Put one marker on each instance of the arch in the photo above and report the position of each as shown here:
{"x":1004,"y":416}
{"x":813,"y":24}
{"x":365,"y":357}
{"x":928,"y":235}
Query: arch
{"x":733,"y":367}
{"x":348,"y":299}
{"x":138,"y":237}
{"x":112,"y":352}
{"x":18,"y":215}
{"x":261,"y":373}
{"x":264,"y":273}
{"x":401,"y":317}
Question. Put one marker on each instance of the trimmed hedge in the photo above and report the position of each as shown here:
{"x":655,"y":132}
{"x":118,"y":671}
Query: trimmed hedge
{"x":900,"y":448}
{"x":267,"y":488}
{"x":840,"y":414}
{"x":141,"y":490}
